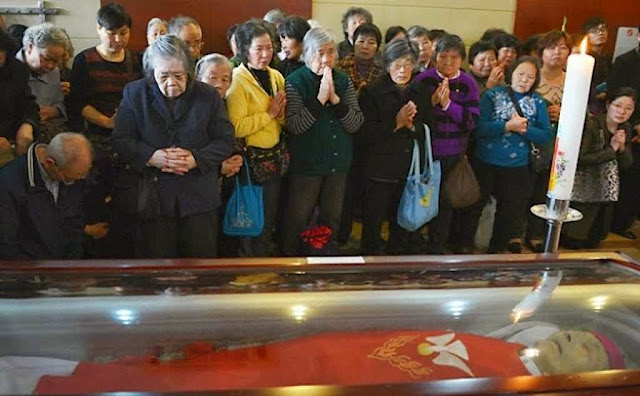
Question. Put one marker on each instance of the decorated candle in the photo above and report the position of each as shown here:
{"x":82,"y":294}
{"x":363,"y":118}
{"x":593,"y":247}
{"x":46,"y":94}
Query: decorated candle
{"x":573,"y":112}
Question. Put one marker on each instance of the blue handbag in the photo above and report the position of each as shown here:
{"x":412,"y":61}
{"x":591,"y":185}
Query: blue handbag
{"x":244,"y":215}
{"x":419,"y":202}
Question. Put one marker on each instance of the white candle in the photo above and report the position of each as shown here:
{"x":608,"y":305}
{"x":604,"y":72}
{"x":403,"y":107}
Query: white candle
{"x":571,"y":124}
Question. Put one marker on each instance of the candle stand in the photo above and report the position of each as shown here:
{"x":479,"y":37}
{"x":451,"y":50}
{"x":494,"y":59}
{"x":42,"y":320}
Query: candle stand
{"x":556,"y":212}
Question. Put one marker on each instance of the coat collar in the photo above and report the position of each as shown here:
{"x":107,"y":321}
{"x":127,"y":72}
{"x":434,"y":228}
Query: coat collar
{"x":182,"y":105}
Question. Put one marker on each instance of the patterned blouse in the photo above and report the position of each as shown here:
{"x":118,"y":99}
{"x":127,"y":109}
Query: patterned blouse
{"x":354,"y":69}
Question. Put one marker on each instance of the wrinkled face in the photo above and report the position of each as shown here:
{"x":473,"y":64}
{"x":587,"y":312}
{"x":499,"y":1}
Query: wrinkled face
{"x":620,"y":109}
{"x":292,"y":48}
{"x":598,"y":35}
{"x":507,"y":55}
{"x":426,"y":48}
{"x":170,"y":76}
{"x":43,"y":60}
{"x":523,"y":77}
{"x":260,"y":52}
{"x":365,"y":47}
{"x":324,"y":57}
{"x":483,"y":63}
{"x":401,"y":69}
{"x":192,"y":36}
{"x":352,"y":24}
{"x":218,"y":76}
{"x":156,"y":31}
{"x":74,"y":171}
{"x":566,"y":352}
{"x":556,"y":55}
{"x":448,"y":63}
{"x":114,"y":41}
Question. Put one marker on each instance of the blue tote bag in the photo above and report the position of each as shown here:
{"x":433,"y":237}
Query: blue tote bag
{"x":245,"y":211}
{"x":419,"y":202}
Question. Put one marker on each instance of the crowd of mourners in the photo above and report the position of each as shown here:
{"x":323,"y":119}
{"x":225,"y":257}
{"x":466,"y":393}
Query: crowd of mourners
{"x":129,"y":154}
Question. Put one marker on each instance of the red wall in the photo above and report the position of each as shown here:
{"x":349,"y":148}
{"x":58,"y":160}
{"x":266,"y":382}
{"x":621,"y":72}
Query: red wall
{"x":539,"y":16}
{"x":214,"y":16}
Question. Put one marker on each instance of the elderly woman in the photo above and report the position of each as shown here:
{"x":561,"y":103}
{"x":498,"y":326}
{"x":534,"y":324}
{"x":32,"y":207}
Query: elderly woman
{"x":173,"y":133}
{"x":362,"y":67}
{"x":351,"y":19}
{"x":554,"y":49}
{"x":420,"y":36}
{"x":483,"y":65}
{"x":605,"y":149}
{"x":18,"y":109}
{"x":43,"y":48}
{"x":508,"y":47}
{"x":454,"y":97}
{"x":155,"y":28}
{"x":291,"y":32}
{"x":216,"y":70}
{"x":511,"y":118}
{"x":322,"y":114}
{"x":394,"y":115}
{"x":256,"y":103}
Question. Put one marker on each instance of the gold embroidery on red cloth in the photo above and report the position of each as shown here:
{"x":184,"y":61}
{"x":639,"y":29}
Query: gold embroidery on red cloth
{"x":388,"y":353}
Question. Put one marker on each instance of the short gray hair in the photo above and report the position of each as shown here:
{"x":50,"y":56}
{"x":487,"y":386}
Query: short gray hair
{"x":416,"y":31}
{"x":211,"y":59}
{"x":313,"y":40}
{"x":46,"y":34}
{"x":156,"y":21}
{"x":177,"y":23}
{"x":397,"y":49}
{"x":275,"y":16}
{"x":167,"y":47}
{"x":66,"y":147}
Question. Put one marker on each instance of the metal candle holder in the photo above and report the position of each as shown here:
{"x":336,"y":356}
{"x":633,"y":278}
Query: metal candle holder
{"x":556,"y":212}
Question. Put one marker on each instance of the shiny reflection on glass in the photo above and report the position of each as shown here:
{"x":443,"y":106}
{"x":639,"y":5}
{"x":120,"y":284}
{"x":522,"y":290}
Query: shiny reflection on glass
{"x":456,"y":308}
{"x":299,"y":312}
{"x":531,"y":352}
{"x":125,"y":316}
{"x":598,"y":302}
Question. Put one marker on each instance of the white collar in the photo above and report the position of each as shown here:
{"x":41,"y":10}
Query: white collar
{"x":452,"y":78}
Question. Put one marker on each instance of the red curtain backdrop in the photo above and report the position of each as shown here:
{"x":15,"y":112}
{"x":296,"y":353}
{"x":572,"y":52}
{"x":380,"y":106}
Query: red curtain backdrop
{"x":215,"y":16}
{"x":539,"y":16}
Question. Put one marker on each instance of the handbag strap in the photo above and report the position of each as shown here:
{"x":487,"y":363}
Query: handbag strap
{"x":428,"y":150}
{"x":516,"y":105}
{"x":245,"y":166}
{"x":414,"y":169}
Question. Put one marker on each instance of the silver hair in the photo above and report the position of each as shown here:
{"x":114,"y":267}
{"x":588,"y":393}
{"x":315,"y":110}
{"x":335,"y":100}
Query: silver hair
{"x":165,"y":47}
{"x":156,"y":21}
{"x":211,"y":59}
{"x":313,"y":40}
{"x":66,"y":147}
{"x":45,"y":34}
{"x":177,"y":23}
{"x":275,"y":16}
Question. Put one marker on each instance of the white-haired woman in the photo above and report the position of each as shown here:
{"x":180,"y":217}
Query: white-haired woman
{"x":177,"y":130}
{"x":43,"y":47}
{"x":322,"y":114}
{"x":155,"y":28}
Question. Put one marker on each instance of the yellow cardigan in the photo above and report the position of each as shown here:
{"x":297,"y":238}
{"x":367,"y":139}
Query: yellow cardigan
{"x":247,"y":105}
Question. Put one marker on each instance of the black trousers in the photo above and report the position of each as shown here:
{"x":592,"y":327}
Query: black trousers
{"x":305,"y":192}
{"x":262,"y":245}
{"x":512,"y":189}
{"x":536,"y":227}
{"x":193,"y":236}
{"x":440,"y":226}
{"x":381,"y":202}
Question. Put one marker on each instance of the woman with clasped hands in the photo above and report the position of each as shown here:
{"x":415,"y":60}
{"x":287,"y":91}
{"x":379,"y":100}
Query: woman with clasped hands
{"x":178,"y":127}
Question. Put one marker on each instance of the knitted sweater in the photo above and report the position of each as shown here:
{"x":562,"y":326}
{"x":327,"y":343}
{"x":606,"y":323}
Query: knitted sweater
{"x":320,"y":141}
{"x":499,"y":147}
{"x":454,"y":123}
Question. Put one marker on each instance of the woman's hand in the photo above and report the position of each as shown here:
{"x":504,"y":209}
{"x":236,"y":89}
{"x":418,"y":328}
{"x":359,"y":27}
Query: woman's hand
{"x":517,"y":124}
{"x":621,"y":137}
{"x":554,"y":113}
{"x":48,"y":112}
{"x":441,"y":95}
{"x":231,"y":165}
{"x":65,"y":86}
{"x":404,"y":117}
{"x":496,"y":77}
{"x":277,"y":105}
{"x":326,"y":86}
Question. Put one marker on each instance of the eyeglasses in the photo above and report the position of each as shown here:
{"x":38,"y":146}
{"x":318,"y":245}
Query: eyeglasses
{"x":399,"y":66}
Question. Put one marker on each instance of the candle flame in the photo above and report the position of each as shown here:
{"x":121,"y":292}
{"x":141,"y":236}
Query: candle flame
{"x":583,"y":46}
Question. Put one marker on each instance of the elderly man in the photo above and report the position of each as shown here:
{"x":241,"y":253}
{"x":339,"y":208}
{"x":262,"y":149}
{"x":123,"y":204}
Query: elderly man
{"x":44,"y":46}
{"x":188,"y":30}
{"x":40,"y":203}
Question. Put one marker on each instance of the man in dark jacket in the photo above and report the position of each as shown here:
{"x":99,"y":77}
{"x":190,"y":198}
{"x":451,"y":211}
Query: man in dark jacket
{"x":40,"y":203}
